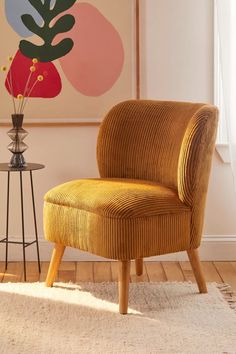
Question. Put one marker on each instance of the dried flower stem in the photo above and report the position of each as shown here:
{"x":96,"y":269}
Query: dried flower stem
{"x":27,"y":98}
{"x":11,"y":86}
{"x":23,"y":98}
{"x":12,"y":95}
{"x":25,"y":90}
{"x":19,"y":105}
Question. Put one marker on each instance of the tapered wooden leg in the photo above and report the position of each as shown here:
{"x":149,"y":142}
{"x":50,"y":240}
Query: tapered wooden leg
{"x":139,"y":266}
{"x":193,"y":256}
{"x":54,"y":264}
{"x":124,"y":276}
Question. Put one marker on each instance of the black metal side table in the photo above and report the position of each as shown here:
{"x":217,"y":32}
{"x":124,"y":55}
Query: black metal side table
{"x":29,"y":168}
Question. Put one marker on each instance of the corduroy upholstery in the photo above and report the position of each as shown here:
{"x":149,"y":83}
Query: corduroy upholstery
{"x":154,"y":158}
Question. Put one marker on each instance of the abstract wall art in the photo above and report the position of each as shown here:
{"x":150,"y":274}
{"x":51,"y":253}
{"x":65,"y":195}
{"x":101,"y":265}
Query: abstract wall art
{"x":85,"y":50}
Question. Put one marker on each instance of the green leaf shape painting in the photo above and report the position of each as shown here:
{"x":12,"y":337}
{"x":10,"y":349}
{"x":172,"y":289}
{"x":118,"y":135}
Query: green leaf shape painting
{"x":49,"y":30}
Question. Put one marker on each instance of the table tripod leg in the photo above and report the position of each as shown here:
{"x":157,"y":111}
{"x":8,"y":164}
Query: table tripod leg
{"x":35,"y":221}
{"x":22,"y":223}
{"x":7,"y":220}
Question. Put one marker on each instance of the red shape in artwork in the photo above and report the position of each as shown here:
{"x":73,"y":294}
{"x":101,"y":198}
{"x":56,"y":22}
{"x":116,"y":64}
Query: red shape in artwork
{"x":19,"y":73}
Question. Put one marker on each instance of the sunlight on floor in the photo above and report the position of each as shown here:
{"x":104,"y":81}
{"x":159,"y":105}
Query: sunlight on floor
{"x":69,"y":294}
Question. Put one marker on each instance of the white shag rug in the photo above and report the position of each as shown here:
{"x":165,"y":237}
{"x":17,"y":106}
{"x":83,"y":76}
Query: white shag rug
{"x":70,"y":319}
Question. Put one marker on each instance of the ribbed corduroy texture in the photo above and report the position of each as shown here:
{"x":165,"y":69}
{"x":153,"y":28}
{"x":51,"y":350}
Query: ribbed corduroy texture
{"x":154,"y":158}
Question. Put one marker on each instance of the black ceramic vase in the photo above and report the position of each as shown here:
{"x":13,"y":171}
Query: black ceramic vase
{"x":17,"y":146}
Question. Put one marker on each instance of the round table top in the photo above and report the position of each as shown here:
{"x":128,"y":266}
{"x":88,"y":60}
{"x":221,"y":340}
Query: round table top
{"x":29,"y":167}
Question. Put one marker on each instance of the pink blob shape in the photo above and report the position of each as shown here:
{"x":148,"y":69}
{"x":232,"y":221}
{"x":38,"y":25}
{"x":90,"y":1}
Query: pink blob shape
{"x":96,"y":60}
{"x":19,"y":72}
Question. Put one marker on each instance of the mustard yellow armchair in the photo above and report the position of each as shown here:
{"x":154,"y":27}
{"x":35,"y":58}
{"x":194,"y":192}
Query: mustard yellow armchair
{"x":154,"y":158}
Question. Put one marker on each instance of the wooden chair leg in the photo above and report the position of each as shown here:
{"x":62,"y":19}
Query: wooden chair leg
{"x":57,"y":254}
{"x":124,"y":276}
{"x":193,"y":256}
{"x":139,"y":266}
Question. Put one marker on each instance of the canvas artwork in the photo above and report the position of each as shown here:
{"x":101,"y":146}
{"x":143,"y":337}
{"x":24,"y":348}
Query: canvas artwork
{"x":83,"y":52}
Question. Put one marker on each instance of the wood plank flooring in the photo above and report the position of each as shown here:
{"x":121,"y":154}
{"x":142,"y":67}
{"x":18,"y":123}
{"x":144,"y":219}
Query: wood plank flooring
{"x":107,"y":271}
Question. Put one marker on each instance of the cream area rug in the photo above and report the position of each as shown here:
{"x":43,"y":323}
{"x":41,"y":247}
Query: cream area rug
{"x":70,"y":319}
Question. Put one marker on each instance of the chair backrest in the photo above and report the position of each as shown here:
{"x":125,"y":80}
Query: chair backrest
{"x":166,"y":142}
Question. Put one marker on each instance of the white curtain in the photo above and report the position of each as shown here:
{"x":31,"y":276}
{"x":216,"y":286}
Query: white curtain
{"x":226,"y":27}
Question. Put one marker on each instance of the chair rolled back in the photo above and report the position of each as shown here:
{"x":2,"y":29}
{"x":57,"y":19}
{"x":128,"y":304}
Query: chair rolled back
{"x":167,"y":142}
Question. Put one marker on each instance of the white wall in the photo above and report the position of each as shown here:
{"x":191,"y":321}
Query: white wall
{"x":178,"y":49}
{"x":177,"y":64}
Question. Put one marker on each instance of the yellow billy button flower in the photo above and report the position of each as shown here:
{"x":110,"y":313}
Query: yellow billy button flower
{"x":40,"y":78}
{"x":32,"y":68}
{"x":20,"y":97}
{"x":35,"y":60}
{"x":3,"y":68}
{"x":10,"y":58}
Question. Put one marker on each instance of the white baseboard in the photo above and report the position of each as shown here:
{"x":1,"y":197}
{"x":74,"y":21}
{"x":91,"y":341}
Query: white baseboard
{"x":213,"y":248}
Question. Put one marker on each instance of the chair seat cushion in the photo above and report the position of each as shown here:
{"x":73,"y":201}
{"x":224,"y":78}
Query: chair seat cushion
{"x":117,"y":218}
{"x":117,"y":198}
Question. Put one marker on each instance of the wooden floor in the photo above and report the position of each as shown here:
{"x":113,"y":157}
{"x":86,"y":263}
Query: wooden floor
{"x":107,"y":271}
